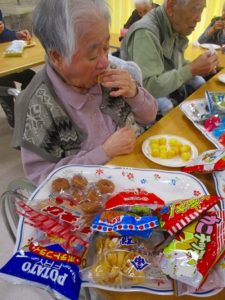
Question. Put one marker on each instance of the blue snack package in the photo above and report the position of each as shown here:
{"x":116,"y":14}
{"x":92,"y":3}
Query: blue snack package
{"x":124,"y":224}
{"x":216,"y":102}
{"x":50,"y":268}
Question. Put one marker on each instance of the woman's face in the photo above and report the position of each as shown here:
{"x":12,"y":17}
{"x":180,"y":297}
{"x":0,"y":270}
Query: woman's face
{"x":90,"y":60}
{"x":2,"y":27}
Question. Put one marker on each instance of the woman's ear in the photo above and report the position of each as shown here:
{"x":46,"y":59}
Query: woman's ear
{"x":56,"y":58}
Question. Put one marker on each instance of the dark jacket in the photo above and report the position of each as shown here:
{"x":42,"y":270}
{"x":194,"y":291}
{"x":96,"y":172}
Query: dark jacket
{"x":7,"y":35}
{"x":216,"y":38}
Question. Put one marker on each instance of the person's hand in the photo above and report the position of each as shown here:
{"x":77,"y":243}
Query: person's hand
{"x":204,"y":64}
{"x":23,"y":35}
{"x":2,"y":27}
{"x":121,"y":83}
{"x":120,"y":142}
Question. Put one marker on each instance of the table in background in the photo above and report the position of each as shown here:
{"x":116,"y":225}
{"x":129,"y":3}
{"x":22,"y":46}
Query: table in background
{"x":193,"y":52}
{"x":31,"y":57}
{"x":175,"y":123}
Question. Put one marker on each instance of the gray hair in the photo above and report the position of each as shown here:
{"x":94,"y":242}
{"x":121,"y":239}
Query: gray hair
{"x":180,"y":2}
{"x":58,"y":24}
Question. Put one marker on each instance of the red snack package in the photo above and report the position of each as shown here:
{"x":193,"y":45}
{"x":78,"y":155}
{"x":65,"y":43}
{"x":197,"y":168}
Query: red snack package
{"x":180,"y":213}
{"x":75,"y":243}
{"x":208,"y":161}
{"x":193,"y":253}
{"x":134,"y":198}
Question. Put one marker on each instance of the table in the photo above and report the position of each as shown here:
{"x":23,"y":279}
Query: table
{"x":31,"y":57}
{"x":173,"y":123}
{"x":193,"y":52}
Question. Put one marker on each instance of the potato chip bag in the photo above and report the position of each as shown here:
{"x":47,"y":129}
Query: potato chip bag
{"x":50,"y":268}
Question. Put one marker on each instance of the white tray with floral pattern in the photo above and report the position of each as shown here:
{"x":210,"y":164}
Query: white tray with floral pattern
{"x":168,"y":185}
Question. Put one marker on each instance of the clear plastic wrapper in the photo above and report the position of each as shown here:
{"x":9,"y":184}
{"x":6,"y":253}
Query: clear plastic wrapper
{"x":75,"y":242}
{"x":207,"y":162}
{"x":15,"y":48}
{"x":215,"y":280}
{"x":123,"y":268}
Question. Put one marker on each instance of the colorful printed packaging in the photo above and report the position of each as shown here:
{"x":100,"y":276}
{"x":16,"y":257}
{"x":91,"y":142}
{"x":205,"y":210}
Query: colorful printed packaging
{"x":118,"y":222}
{"x":137,"y":201}
{"x":193,"y":253}
{"x":216,"y":102}
{"x":208,"y":161}
{"x":179,"y":214}
{"x":55,"y":229}
{"x":50,"y":268}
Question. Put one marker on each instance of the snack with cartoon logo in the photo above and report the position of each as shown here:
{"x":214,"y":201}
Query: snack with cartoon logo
{"x":193,"y":252}
{"x":208,"y":161}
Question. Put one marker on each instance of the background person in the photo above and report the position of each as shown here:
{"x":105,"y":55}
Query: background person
{"x":215,"y":32}
{"x":157,"y":43}
{"x":65,"y":115}
{"x":24,"y":77}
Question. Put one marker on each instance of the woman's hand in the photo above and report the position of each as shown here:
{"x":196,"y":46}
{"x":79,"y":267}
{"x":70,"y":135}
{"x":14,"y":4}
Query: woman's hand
{"x":120,"y":142}
{"x":23,"y":35}
{"x":121,"y":83}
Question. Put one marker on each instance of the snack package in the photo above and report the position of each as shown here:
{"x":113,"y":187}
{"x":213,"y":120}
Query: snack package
{"x":89,"y":197}
{"x":123,"y":268}
{"x":215,"y":280}
{"x":137,"y":201}
{"x":75,"y":242}
{"x":208,"y":161}
{"x":49,"y":268}
{"x":174,"y":217}
{"x":193,"y":252}
{"x":121,"y":223}
{"x":15,"y":48}
{"x":104,"y":243}
{"x":216,"y":102}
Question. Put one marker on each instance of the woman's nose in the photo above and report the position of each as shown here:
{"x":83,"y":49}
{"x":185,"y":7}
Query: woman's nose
{"x":103,"y":61}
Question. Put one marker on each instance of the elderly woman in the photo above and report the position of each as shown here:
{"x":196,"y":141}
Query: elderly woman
{"x":76,"y":110}
{"x":215,"y":32}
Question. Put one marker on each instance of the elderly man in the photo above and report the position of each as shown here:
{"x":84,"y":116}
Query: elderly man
{"x":157,"y":42}
{"x":76,"y":110}
{"x":141,"y":8}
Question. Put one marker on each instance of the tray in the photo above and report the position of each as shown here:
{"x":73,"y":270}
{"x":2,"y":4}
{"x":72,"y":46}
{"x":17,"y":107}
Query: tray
{"x":188,"y":108}
{"x":169,"y":185}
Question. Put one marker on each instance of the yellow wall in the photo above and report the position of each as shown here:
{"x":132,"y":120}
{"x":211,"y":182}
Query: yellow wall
{"x":121,"y":10}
